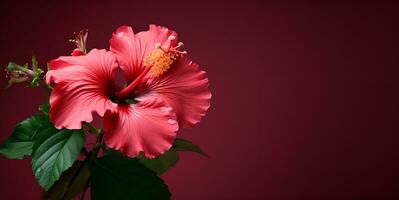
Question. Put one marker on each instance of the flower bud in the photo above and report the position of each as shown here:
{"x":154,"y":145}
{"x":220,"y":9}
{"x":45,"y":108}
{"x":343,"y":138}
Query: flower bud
{"x":20,"y":74}
{"x":17,"y":73}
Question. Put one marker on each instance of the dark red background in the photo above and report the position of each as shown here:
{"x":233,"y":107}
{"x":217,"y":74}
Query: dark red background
{"x":304,"y":95}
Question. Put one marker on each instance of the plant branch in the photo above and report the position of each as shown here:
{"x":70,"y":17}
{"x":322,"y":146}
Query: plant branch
{"x":82,"y":197}
{"x":91,"y":155}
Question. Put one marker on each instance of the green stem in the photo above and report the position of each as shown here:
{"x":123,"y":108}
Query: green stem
{"x":92,"y":155}
{"x":75,"y":176}
{"x":89,"y":127}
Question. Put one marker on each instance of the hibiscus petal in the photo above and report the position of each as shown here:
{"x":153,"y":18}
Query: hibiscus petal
{"x":83,"y":85}
{"x":148,"y":126}
{"x":131,"y":48}
{"x":185,"y":88}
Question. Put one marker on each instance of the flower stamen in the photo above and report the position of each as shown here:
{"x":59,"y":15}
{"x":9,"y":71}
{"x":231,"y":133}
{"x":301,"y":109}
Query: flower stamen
{"x":80,"y":41}
{"x":156,"y":64}
{"x":162,"y":57}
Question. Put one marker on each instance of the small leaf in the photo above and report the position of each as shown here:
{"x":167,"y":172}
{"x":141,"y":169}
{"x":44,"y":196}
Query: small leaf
{"x":20,"y":143}
{"x":35,"y":82}
{"x":37,"y":72}
{"x":117,"y":177}
{"x":72,"y":182}
{"x":54,"y":151}
{"x":34,"y":63}
{"x":185,"y":145}
{"x":162,"y":163}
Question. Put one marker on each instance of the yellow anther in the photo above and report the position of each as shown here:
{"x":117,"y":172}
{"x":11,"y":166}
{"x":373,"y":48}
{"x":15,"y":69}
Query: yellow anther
{"x":161,"y":59}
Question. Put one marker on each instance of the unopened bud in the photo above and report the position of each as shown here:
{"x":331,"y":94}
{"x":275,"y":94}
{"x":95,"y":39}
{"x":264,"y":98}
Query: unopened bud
{"x":20,"y":74}
{"x":16,"y":74}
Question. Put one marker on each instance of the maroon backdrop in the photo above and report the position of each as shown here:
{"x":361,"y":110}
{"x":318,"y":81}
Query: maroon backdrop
{"x":304,"y":95}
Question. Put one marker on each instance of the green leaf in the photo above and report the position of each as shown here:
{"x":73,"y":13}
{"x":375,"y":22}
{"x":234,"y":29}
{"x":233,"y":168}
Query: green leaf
{"x":72,"y":182}
{"x":54,"y":151}
{"x":117,"y":177}
{"x":162,"y":163}
{"x":20,"y":143}
{"x":185,"y":145}
{"x":35,"y":82}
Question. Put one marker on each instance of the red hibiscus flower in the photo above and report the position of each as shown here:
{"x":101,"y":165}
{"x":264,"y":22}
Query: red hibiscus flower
{"x":165,"y":90}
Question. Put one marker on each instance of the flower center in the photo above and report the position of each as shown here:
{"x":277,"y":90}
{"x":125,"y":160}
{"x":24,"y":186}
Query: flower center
{"x":156,"y":64}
